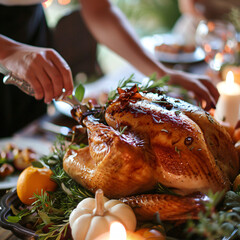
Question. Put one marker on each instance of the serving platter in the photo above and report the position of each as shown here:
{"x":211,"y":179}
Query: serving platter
{"x":196,"y":56}
{"x":11,"y":198}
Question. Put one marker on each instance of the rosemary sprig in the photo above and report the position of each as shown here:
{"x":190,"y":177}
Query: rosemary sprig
{"x":49,"y":210}
{"x":234,"y":16}
{"x":151,"y":84}
{"x":218,"y":224}
{"x":55,"y":232}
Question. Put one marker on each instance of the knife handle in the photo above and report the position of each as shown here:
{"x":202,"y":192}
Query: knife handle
{"x":20,"y":83}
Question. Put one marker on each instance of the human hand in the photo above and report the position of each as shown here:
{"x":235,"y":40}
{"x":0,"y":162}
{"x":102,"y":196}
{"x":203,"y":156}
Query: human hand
{"x":43,"y":68}
{"x":204,"y":90}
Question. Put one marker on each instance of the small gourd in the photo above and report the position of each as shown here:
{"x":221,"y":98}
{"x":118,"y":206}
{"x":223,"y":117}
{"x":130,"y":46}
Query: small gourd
{"x":93,"y":217}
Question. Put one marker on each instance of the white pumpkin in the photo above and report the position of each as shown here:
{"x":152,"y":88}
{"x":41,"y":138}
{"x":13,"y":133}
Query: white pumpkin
{"x":93,"y":217}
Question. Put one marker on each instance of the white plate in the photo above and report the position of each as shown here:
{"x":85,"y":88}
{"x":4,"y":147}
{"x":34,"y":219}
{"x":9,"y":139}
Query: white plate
{"x":196,"y":56}
{"x":39,"y":146}
{"x":151,"y":41}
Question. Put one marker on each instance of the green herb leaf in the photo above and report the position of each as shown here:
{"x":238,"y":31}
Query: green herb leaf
{"x":79,"y":92}
{"x":13,"y":219}
{"x":152,"y":83}
{"x":74,"y":147}
{"x":19,"y":215}
{"x":160,"y":82}
{"x":37,"y":164}
{"x":44,"y":217}
{"x":122,"y":129}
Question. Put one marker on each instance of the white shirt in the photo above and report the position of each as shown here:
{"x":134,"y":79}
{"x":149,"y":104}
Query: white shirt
{"x":20,"y":2}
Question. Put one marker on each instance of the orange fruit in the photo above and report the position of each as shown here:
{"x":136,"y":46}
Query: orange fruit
{"x":33,"y":180}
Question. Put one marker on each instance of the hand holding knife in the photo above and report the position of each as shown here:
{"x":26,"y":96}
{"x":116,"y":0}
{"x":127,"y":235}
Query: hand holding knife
{"x":10,"y":78}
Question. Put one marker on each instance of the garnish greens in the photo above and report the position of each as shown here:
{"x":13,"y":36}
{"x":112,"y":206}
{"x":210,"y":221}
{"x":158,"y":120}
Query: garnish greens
{"x":50,"y":212}
{"x":152,"y":83}
{"x":122,"y":129}
{"x":222,"y":223}
{"x":79,"y":92}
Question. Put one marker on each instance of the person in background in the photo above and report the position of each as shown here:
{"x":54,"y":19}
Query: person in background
{"x":23,"y":27}
{"x":205,"y":9}
{"x":193,"y":11}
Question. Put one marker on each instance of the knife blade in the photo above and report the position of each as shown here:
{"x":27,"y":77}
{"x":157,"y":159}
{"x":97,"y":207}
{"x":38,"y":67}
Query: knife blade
{"x":54,"y":128}
{"x":10,"y":78}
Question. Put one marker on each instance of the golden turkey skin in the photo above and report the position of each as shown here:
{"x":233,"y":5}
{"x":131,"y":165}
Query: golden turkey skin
{"x":153,"y":139}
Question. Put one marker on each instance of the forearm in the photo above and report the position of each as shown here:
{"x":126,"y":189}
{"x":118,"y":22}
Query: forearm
{"x":6,"y":47}
{"x":111,"y":28}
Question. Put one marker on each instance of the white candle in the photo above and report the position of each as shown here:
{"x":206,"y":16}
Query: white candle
{"x":227,"y":108}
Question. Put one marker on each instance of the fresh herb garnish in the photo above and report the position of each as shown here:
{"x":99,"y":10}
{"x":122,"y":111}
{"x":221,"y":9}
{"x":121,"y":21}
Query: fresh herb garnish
{"x":213,"y":223}
{"x":79,"y":92}
{"x":177,"y":150}
{"x":122,"y":129}
{"x":51,"y":210}
{"x":152,"y":83}
{"x":177,"y":113}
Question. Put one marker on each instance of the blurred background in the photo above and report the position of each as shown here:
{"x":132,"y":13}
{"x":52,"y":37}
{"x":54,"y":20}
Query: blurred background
{"x":148,"y":17}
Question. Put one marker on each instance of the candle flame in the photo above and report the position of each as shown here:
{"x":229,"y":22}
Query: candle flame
{"x":230,"y":82}
{"x":117,"y":231}
{"x":230,"y":78}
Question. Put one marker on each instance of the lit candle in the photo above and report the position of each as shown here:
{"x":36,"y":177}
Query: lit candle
{"x":227,"y":108}
{"x":118,"y":232}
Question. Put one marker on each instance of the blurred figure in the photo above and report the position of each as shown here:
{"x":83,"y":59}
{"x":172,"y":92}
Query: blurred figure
{"x":48,"y":72}
{"x":208,"y":9}
{"x":193,"y":11}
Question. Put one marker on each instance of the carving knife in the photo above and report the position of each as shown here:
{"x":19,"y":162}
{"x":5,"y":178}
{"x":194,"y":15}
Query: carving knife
{"x":10,"y":78}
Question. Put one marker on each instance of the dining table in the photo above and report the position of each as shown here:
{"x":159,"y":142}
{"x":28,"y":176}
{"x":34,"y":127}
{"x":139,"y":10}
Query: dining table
{"x":47,"y":127}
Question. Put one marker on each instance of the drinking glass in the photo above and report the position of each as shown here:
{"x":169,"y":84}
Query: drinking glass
{"x":219,"y":42}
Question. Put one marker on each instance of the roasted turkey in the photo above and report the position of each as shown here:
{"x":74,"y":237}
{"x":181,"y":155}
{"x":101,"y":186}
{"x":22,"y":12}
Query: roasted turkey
{"x":150,"y":138}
